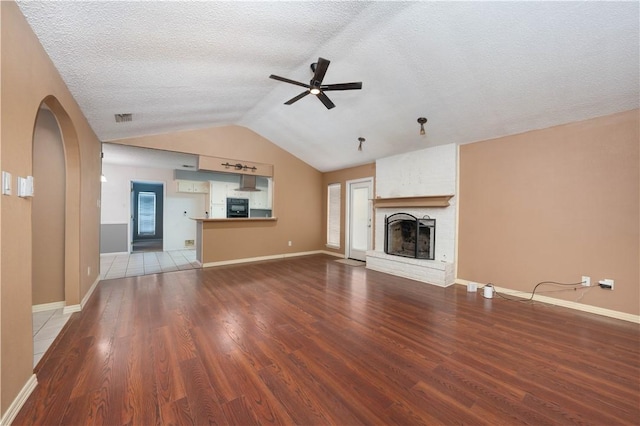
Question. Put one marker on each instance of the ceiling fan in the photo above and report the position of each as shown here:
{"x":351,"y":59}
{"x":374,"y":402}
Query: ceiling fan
{"x":315,"y":86}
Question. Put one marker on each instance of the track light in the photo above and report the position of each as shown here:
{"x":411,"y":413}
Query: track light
{"x":361,"y":140}
{"x":422,"y":121}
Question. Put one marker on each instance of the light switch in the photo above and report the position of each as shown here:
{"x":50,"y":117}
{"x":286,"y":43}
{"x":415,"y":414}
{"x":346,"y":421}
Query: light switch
{"x":6,"y":183}
{"x":25,"y":186}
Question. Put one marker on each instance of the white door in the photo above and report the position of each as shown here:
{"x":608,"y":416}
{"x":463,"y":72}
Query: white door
{"x":359,"y":230}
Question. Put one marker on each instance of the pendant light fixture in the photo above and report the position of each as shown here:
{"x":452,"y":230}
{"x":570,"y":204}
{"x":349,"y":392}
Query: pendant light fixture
{"x":422,"y":122}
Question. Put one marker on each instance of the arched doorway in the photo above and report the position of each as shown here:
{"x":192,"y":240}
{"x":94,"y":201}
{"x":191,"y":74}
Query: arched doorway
{"x":47,"y":232}
{"x":48,"y":212}
{"x":72,"y":204}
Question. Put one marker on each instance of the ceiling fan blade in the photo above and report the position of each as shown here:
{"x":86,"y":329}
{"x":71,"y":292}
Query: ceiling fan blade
{"x":297,"y":98}
{"x":286,"y":80}
{"x":325,"y":100}
{"x":342,"y":86}
{"x":321,"y":70}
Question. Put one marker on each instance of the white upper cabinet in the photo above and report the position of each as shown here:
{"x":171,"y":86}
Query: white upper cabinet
{"x":261,"y":199}
{"x":194,"y":187}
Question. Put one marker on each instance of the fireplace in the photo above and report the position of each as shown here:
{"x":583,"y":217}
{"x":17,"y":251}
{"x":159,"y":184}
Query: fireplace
{"x":409,"y":236}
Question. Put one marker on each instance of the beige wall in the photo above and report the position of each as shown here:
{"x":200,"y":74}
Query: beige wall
{"x":555,"y":204}
{"x":47,"y":211}
{"x":297,"y":195}
{"x":532,"y":206}
{"x":342,"y":176}
{"x":27,"y":79}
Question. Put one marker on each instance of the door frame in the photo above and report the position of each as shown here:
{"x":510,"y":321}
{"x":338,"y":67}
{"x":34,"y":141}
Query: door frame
{"x":130,"y":224}
{"x":347,"y":233}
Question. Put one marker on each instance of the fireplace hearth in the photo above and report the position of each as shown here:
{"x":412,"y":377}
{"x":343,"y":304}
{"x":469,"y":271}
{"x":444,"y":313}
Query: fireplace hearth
{"x":410,"y":236}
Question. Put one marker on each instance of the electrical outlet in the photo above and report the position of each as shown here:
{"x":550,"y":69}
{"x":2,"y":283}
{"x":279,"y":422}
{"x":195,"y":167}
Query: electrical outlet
{"x":586,"y":281}
{"x":88,"y":271}
{"x":607,"y":284}
{"x":289,"y":243}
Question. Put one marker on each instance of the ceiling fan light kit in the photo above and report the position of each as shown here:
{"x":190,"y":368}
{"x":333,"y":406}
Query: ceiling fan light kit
{"x":422,"y":121}
{"x":315,"y":86}
{"x":361,"y":140}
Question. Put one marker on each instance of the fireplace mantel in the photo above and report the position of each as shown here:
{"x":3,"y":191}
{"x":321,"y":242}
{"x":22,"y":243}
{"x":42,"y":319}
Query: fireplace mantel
{"x":424,"y":201}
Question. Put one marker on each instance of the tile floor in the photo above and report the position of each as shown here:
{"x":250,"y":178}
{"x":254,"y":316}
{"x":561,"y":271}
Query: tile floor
{"x":131,"y":265}
{"x":46,"y":326}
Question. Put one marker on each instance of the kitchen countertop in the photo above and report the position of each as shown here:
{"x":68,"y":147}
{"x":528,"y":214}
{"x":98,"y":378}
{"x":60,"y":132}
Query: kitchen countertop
{"x":235,"y":219}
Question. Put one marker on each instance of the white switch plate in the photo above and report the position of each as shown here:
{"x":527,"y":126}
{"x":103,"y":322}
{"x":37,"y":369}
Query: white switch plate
{"x":6,"y":183}
{"x":25,"y":186}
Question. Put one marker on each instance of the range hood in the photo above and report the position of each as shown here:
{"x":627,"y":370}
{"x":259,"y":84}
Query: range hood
{"x":248,"y":183}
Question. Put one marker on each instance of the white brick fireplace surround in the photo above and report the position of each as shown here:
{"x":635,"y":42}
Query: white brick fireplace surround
{"x":425,"y":174}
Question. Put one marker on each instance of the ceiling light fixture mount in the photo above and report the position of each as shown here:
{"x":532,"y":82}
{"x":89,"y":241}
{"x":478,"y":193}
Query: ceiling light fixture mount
{"x":361,"y":140}
{"x":422,"y":122}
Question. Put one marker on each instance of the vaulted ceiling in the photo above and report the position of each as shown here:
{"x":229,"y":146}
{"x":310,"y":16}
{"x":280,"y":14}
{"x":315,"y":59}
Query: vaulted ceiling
{"x":476,"y":70}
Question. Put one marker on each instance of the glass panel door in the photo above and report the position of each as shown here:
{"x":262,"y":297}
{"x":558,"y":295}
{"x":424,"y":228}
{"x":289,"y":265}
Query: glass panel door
{"x":147,"y":213}
{"x":359,"y":216}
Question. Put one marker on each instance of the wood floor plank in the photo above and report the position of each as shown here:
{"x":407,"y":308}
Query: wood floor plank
{"x":200,"y":395}
{"x":215,"y":363}
{"x":238,"y":412}
{"x":308,"y":340}
{"x":265,"y":406}
{"x":176,"y":413}
{"x":169,"y":381}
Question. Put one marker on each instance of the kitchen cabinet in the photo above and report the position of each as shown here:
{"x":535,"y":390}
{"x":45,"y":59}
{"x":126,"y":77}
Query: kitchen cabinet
{"x":193,"y":187}
{"x":218,"y":199}
{"x":219,"y":191}
{"x":218,"y":211}
{"x":261,"y":199}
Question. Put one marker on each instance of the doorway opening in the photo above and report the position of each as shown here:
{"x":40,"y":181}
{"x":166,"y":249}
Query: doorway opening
{"x":55,"y":223}
{"x":359,"y":232}
{"x":147,"y":200}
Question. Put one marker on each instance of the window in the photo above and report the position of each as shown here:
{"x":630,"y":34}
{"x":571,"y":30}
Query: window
{"x":333,"y":215}
{"x":146,"y":213}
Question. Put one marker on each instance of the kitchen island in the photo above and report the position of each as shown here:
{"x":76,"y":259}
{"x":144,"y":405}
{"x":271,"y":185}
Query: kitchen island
{"x":223,"y":241}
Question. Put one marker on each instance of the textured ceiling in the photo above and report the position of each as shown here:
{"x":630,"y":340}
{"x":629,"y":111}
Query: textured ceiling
{"x":476,"y":70}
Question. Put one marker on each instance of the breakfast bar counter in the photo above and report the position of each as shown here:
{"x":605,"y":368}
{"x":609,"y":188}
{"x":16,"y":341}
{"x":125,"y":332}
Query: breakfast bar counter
{"x":220,"y":240}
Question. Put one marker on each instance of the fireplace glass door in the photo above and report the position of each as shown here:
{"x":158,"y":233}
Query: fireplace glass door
{"x":409,"y":236}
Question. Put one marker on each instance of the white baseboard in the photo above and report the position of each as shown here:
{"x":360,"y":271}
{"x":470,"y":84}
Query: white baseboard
{"x":261,"y":258}
{"x":333,"y":253}
{"x":115,"y":253}
{"x":47,"y":306}
{"x":71,"y":309}
{"x":77,"y":308}
{"x":86,"y":297}
{"x":19,"y":401}
{"x":564,"y":303}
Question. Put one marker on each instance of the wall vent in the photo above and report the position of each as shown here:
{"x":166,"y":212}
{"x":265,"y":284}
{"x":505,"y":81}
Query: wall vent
{"x":123,"y":118}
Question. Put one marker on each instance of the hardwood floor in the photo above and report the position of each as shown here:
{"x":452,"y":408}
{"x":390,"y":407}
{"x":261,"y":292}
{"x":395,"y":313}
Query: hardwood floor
{"x":311,"y":341}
